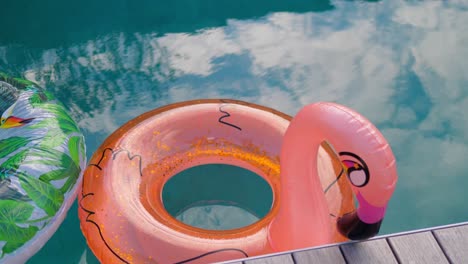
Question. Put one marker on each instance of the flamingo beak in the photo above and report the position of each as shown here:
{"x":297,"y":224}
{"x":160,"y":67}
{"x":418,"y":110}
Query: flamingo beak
{"x":13,"y":121}
{"x":363,"y":223}
{"x":352,"y":227}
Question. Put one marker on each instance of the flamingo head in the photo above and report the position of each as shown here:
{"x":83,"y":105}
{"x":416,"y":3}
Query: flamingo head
{"x":373,"y":183}
{"x":15,"y":105}
{"x":13,"y":121}
{"x":9,"y":120}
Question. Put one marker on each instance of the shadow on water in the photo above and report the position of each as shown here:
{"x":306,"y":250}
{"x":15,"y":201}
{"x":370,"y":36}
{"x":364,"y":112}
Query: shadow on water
{"x":56,"y":23}
{"x":89,"y":52}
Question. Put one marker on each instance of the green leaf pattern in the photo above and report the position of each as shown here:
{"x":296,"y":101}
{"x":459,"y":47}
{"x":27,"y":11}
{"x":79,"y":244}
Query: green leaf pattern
{"x":13,"y":163}
{"x":13,"y":213}
{"x":74,"y":145}
{"x":42,"y":193}
{"x":57,"y":157}
{"x":9,"y":145}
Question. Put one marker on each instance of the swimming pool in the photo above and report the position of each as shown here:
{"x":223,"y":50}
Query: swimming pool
{"x":401,"y":64}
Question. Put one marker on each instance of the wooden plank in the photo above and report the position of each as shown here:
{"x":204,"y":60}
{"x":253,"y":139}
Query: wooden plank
{"x":454,"y":242}
{"x":328,"y":255}
{"x":373,"y":251}
{"x":446,"y":244}
{"x":417,"y":248}
{"x":278,"y":259}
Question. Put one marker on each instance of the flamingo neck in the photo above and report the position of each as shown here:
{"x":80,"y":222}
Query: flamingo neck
{"x":303,"y":219}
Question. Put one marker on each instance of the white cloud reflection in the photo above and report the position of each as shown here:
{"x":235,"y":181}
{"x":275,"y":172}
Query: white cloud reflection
{"x":400,"y":64}
{"x":194,"y":54}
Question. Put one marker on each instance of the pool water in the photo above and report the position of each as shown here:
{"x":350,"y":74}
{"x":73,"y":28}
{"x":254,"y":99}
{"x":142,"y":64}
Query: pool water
{"x":402,"y":64}
{"x":217,"y":197}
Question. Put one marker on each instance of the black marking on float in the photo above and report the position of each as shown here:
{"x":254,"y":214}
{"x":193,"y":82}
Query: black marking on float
{"x":90,"y":194}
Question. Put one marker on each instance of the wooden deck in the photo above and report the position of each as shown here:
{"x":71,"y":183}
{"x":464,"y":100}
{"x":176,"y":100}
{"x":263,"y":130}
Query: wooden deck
{"x":444,"y":244}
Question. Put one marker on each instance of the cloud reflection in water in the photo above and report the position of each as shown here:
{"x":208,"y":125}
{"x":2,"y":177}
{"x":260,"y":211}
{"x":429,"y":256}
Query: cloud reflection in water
{"x":400,"y":64}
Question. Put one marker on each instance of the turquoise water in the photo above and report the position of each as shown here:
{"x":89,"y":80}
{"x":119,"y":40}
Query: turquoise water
{"x":207,"y":196}
{"x":400,"y":63}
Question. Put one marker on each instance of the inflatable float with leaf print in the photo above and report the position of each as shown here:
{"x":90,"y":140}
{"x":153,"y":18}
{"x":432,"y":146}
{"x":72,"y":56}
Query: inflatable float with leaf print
{"x":42,"y":156}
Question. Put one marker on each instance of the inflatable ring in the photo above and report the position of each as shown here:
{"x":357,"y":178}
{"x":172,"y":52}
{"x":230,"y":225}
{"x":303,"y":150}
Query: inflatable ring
{"x":123,"y":217}
{"x":42,"y":155}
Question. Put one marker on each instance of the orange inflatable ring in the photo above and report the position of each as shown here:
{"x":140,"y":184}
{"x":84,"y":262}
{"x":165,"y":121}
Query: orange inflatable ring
{"x":124,"y":219}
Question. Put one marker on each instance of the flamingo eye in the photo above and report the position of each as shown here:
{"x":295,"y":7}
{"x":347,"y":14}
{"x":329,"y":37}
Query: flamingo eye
{"x":358,"y":172}
{"x":358,"y":177}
